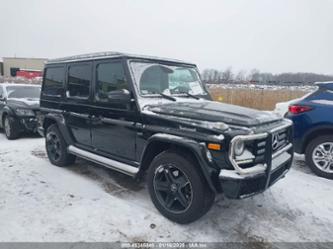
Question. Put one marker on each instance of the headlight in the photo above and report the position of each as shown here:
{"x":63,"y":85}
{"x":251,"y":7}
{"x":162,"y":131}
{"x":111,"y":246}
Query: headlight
{"x":24,"y":112}
{"x":239,"y":147}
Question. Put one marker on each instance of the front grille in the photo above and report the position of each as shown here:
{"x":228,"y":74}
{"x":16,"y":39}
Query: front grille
{"x":280,"y":139}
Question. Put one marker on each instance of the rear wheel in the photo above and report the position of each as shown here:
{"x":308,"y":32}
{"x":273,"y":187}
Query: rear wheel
{"x":177,"y":188}
{"x":10,"y":125}
{"x":56,"y":148}
{"x":319,"y":156}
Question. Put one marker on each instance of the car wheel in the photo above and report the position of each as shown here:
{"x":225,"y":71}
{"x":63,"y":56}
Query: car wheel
{"x":11,"y":127}
{"x":177,"y":188}
{"x":319,"y":156}
{"x":56,"y":148}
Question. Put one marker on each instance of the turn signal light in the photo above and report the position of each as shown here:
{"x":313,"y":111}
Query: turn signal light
{"x":214,"y":146}
{"x":297,"y":109}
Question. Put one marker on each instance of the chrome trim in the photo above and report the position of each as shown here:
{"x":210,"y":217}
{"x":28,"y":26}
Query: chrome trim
{"x":284,"y":149}
{"x":276,"y":163}
{"x":254,"y":169}
{"x":259,"y":168}
{"x":106,"y":162}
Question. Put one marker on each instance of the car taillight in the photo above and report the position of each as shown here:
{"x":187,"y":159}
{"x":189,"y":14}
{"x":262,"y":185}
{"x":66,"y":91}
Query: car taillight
{"x":296,"y":109}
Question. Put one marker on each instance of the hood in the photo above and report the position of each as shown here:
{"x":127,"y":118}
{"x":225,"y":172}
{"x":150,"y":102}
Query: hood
{"x":216,"y":112}
{"x":27,"y":103}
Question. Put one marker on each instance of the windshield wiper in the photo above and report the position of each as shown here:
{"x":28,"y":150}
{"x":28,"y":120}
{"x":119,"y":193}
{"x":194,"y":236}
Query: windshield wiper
{"x":166,"y":96}
{"x":190,"y":95}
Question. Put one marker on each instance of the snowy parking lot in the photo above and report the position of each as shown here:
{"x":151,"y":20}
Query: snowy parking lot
{"x":84,"y":202}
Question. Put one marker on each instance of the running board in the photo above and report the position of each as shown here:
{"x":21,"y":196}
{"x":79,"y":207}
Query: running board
{"x":109,"y":163}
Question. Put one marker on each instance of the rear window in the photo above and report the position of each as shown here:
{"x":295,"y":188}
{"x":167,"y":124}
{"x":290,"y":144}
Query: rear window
{"x":20,"y":92}
{"x":79,"y":79}
{"x":54,"y":81}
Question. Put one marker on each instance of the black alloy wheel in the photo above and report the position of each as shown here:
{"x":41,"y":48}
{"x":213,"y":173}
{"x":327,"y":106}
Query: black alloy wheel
{"x":56,"y":148}
{"x":172,"y":188}
{"x":177,"y":187}
{"x":53,"y":146}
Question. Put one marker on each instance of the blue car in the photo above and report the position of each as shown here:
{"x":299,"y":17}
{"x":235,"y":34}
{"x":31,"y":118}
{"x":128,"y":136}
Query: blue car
{"x":313,"y":129}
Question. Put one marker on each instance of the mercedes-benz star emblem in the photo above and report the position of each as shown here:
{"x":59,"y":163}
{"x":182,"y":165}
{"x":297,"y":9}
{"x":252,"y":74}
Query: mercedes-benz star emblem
{"x":275,"y":141}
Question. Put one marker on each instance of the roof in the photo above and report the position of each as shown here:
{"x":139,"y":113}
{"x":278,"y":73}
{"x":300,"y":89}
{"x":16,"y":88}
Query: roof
{"x":325,"y":84}
{"x":106,"y":55}
{"x":23,"y":58}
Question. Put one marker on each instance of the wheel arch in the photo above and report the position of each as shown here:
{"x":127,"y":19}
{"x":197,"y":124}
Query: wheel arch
{"x":316,"y":132}
{"x":59,"y":120}
{"x":6,"y":111}
{"x":162,"y":142}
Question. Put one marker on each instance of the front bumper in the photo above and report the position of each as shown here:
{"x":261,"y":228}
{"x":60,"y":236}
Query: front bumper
{"x":242,"y":183}
{"x":28,"y":124}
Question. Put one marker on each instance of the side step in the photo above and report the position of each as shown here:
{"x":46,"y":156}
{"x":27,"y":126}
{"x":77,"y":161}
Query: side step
{"x":109,"y":163}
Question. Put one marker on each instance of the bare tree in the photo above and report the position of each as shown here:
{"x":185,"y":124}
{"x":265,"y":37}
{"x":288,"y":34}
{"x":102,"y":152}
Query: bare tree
{"x":227,"y":75}
{"x":240,"y":77}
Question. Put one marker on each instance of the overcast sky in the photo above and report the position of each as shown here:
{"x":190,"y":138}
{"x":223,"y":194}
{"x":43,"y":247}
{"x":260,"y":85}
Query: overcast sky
{"x":271,"y":35}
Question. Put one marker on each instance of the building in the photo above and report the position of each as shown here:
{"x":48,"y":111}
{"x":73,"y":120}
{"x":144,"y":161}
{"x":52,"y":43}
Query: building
{"x":1,"y":67}
{"x":13,"y":65}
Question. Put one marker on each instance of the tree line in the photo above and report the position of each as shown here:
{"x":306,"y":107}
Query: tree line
{"x":227,"y":76}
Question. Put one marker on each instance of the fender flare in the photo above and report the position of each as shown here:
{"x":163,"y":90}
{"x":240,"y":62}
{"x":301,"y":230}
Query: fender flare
{"x":198,"y":149}
{"x":315,"y":130}
{"x":59,"y":119}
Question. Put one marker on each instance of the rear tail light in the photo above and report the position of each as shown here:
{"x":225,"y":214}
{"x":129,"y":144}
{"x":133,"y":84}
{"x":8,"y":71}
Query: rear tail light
{"x":296,"y":109}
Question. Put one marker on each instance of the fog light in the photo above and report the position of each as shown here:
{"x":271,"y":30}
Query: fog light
{"x":209,"y":156}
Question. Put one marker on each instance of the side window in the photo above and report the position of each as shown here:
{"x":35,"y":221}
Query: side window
{"x":1,"y":93}
{"x":109,"y":77}
{"x":54,"y":81}
{"x":79,"y":80}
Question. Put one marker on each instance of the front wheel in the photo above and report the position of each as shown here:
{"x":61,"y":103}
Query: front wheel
{"x":56,"y":148}
{"x":319,"y":156}
{"x":11,"y":127}
{"x":177,"y":188}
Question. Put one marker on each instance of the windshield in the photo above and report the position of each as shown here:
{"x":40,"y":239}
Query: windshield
{"x":23,"y":92}
{"x":155,"y":78}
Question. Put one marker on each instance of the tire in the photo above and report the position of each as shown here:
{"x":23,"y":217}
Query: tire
{"x":11,"y":127}
{"x":172,"y":178}
{"x":56,"y":148}
{"x":323,"y":161}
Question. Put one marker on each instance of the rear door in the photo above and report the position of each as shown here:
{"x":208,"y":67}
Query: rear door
{"x":77,"y":104}
{"x":113,"y":120}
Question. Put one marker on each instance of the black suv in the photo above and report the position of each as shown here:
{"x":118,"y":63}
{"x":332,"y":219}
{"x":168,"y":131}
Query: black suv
{"x":146,"y":116}
{"x":19,"y":106}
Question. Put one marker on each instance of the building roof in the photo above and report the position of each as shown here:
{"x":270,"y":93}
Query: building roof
{"x":23,"y":58}
{"x":5,"y":84}
{"x":106,"y":55}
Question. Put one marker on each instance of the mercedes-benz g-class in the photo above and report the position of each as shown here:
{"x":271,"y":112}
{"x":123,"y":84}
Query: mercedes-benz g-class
{"x":153,"y":117}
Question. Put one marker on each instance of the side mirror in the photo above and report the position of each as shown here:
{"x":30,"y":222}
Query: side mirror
{"x":122,"y":95}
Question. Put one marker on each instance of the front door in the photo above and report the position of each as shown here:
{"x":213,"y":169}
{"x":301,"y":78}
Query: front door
{"x":77,"y":109}
{"x":113,"y":121}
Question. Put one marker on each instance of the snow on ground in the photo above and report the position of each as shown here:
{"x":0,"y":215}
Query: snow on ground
{"x":41,"y":202}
